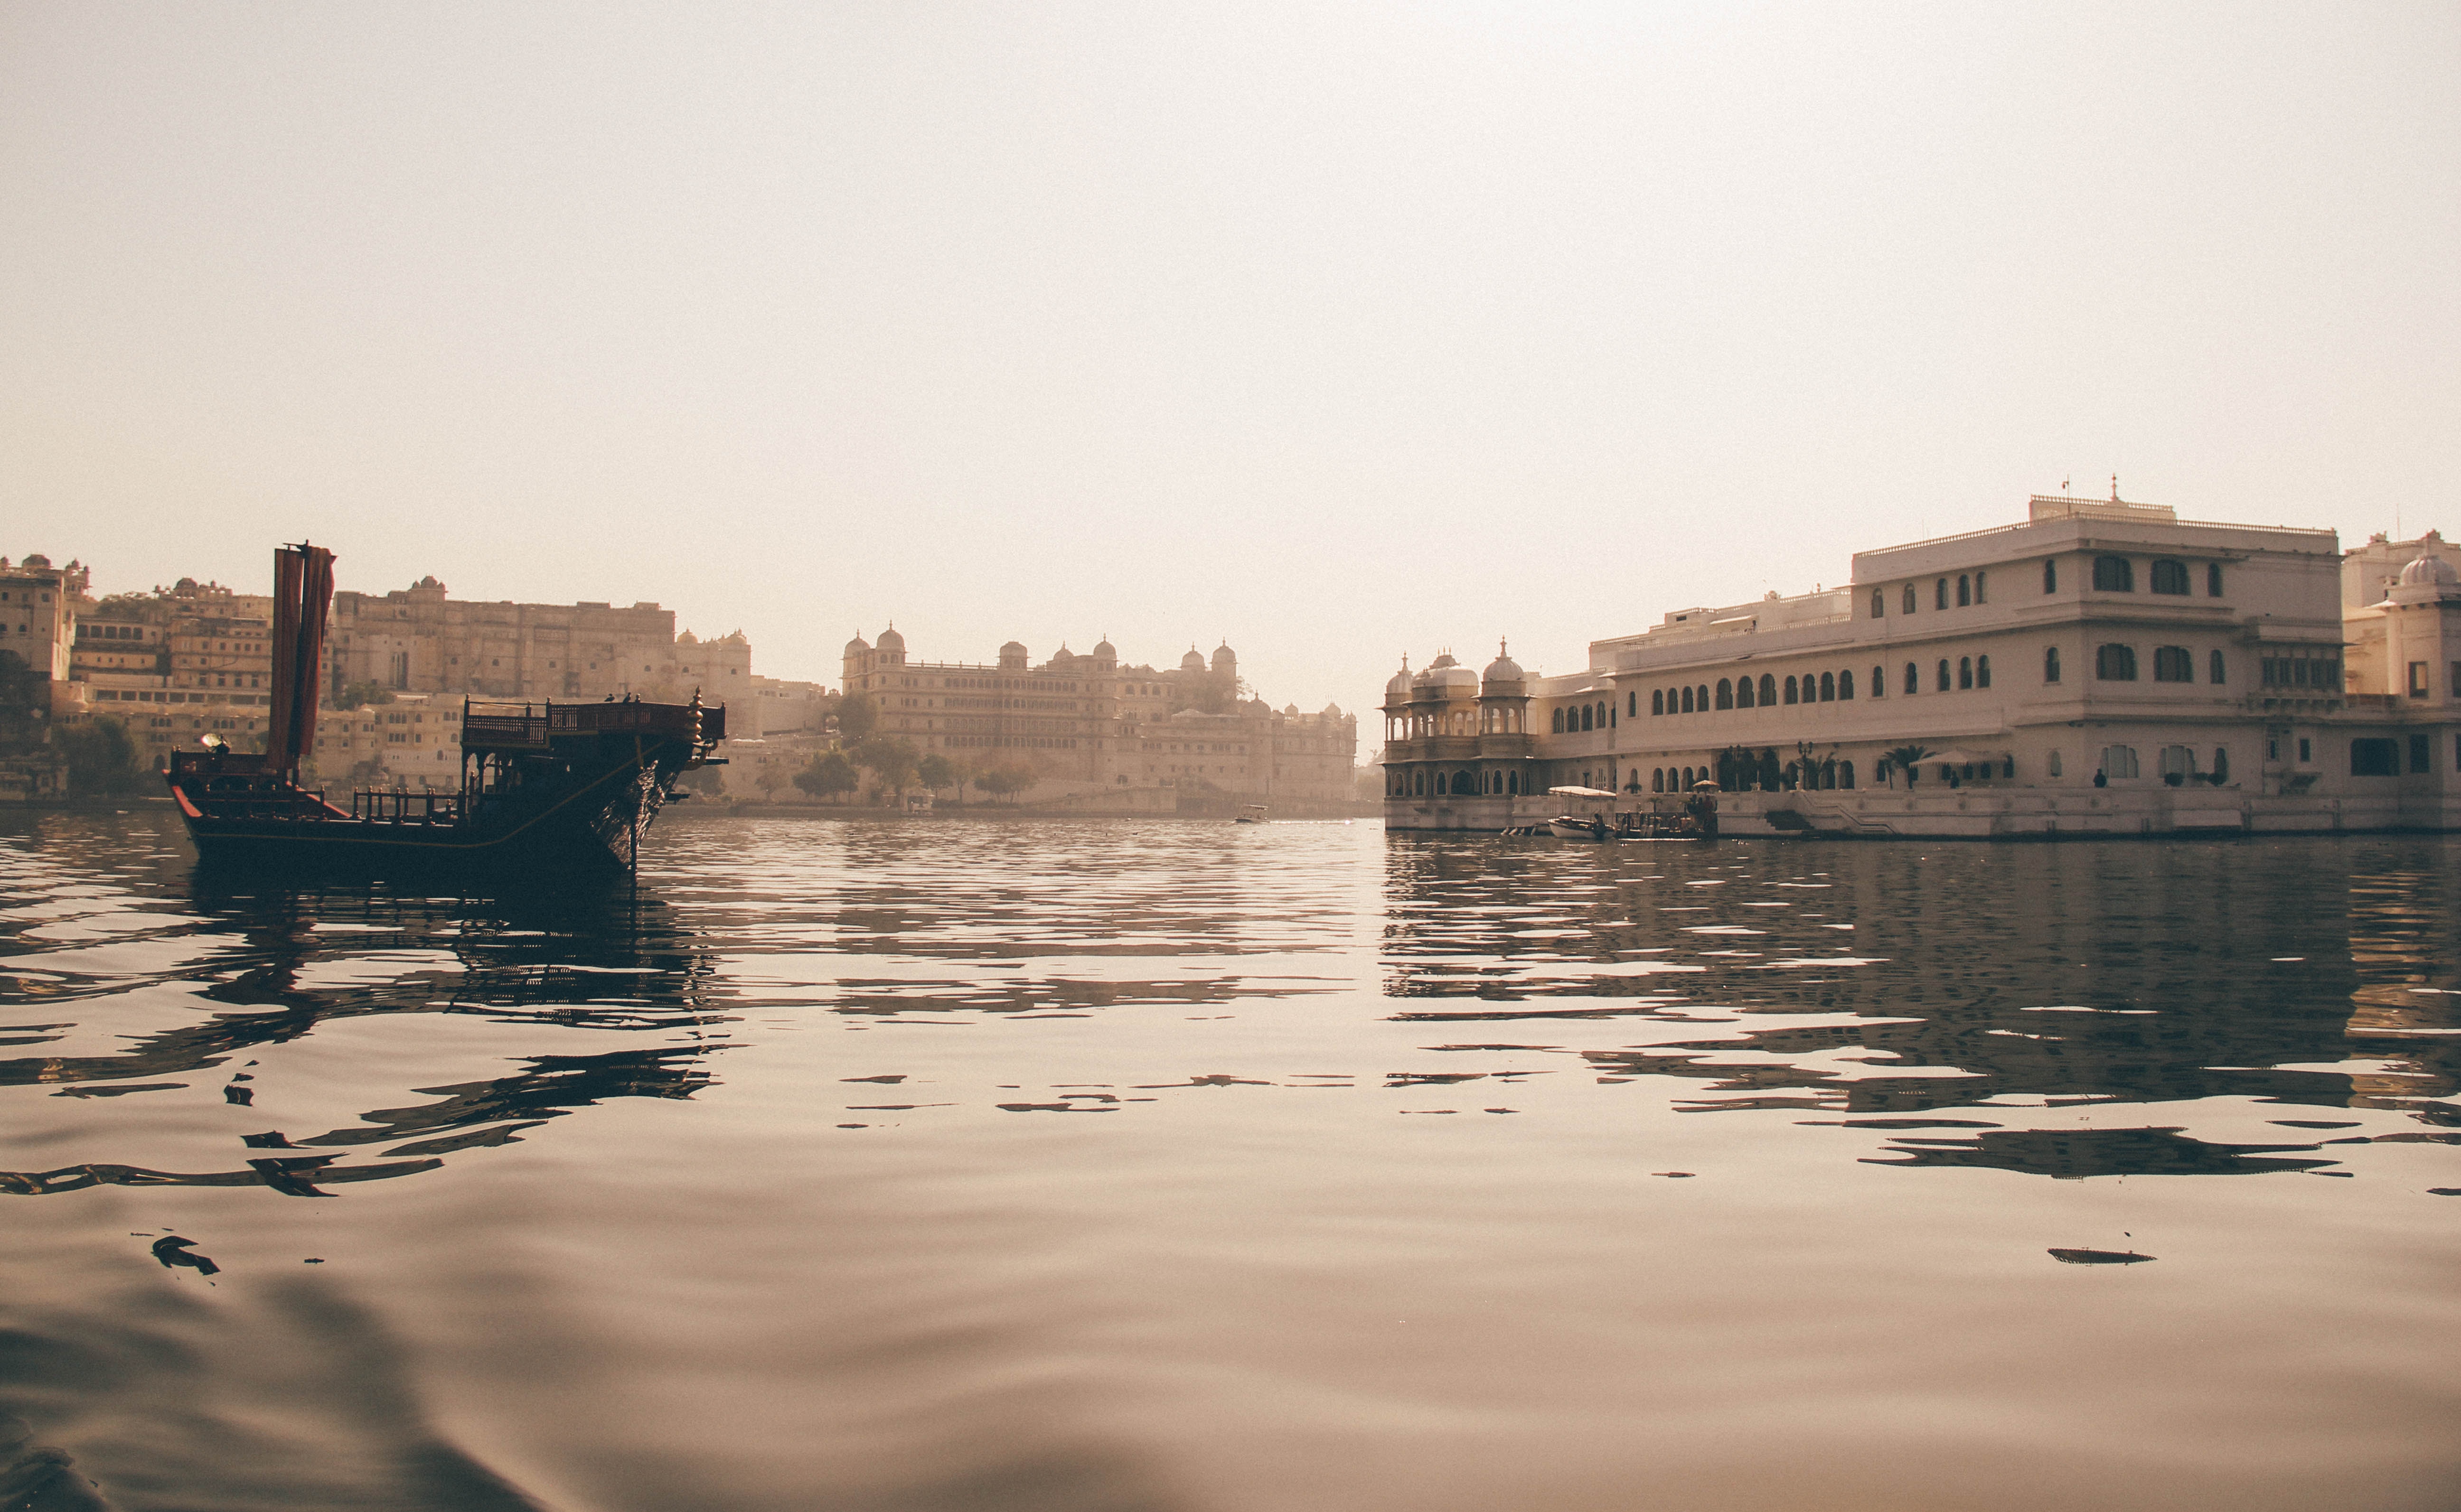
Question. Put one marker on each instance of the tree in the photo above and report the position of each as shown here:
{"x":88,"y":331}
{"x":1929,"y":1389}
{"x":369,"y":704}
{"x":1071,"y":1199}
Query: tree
{"x":362,"y":695}
{"x":1002,"y":780}
{"x":889,"y":760}
{"x":1909,"y":757}
{"x":831,"y":774}
{"x":25,"y":699}
{"x":936,"y":771}
{"x":102,"y":759}
{"x":857,"y":717}
{"x":772,"y":777}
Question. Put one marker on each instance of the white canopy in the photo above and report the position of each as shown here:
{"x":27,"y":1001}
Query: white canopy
{"x":1580,"y":791}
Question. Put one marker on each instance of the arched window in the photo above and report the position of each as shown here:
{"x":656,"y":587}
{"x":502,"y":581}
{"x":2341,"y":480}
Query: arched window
{"x":1558,"y":722}
{"x":1768,"y":769}
{"x":1910,"y":598}
{"x":1939,"y":594}
{"x":1965,"y":672}
{"x":1658,"y":779}
{"x":2215,"y":669}
{"x":1879,"y":604}
{"x":1769,"y":690}
{"x":2118,"y":761}
{"x":1687,"y":700}
{"x":1913,"y":679}
{"x":1964,"y":591}
{"x":1464,"y":784}
{"x":2050,"y":664}
{"x":2051,"y":575}
{"x":2115,"y":664}
{"x":1656,"y":701}
{"x":2170,"y":577}
{"x":1846,"y":684}
{"x":1632,"y":704}
{"x":1725,"y":694}
{"x":2172,"y":664}
{"x":2213,"y":580}
{"x":2114,"y":575}
{"x":1703,"y":699}
{"x":1827,"y":687}
{"x":1418,"y":784}
{"x":1879,"y":682}
{"x":1943,"y":674}
{"x":1512,"y":784}
{"x":1789,"y":687}
{"x":1589,"y":717}
{"x":1982,"y":587}
{"x":1845,"y":774}
{"x":1743,"y":693}
{"x":1982,"y":672}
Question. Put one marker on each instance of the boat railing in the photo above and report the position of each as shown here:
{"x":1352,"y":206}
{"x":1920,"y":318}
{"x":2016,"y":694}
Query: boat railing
{"x":402,"y":807}
{"x":533,"y":727}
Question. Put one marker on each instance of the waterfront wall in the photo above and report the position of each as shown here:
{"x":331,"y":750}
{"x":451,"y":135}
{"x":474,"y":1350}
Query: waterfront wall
{"x":1985,"y":814}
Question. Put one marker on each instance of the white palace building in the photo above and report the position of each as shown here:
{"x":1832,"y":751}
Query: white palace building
{"x":2102,"y":668}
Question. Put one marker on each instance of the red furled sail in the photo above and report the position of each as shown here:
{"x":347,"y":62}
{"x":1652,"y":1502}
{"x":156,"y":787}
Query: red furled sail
{"x":303,"y":595}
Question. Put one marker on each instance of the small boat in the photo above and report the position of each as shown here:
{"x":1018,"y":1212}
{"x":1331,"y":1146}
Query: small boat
{"x":1251,"y":814}
{"x":549,"y":790}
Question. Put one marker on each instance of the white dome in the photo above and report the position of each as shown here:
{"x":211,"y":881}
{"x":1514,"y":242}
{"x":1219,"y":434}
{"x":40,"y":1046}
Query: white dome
{"x":858,"y":646}
{"x":892,"y":641}
{"x":2428,"y":570}
{"x":1448,"y":675}
{"x":1503,"y":669}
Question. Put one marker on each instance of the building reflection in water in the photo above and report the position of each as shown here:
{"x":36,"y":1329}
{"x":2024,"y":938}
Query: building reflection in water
{"x":283,"y":962}
{"x":1955,"y":987}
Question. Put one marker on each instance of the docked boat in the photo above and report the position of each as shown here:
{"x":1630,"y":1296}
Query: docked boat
{"x":1695,"y":821}
{"x":1251,"y":814}
{"x":547,"y":789}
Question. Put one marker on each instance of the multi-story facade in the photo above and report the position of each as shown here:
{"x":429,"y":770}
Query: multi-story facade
{"x":1096,"y":733}
{"x":38,"y":613}
{"x":2100,"y":667}
{"x":420,"y":640}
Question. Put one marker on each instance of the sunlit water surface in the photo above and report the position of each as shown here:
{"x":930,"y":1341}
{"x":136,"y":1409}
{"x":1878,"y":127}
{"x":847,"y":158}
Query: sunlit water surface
{"x":986,"y":1165}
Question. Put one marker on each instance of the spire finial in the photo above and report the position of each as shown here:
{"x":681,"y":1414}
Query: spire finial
{"x":2114,"y":488}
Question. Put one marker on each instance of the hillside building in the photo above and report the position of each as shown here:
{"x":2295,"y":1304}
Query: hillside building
{"x":1100,"y":735}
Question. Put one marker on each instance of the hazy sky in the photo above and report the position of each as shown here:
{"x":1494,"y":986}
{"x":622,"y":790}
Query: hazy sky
{"x":1335,"y":329}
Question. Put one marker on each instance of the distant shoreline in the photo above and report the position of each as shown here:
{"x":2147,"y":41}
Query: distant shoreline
{"x":699,"y":810}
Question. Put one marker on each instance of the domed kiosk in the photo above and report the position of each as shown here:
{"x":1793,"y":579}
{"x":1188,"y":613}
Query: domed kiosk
{"x":1457,"y":748}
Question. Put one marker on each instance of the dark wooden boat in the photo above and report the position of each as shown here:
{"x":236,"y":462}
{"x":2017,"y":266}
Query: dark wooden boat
{"x":547,"y":789}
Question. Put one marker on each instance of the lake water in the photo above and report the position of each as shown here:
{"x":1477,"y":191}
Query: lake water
{"x":1138,"y":1166}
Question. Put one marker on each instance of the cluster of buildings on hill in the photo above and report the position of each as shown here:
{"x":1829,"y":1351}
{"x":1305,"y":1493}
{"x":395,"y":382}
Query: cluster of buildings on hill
{"x":1098,"y":736}
{"x":178,"y":663}
{"x":2100,"y":667}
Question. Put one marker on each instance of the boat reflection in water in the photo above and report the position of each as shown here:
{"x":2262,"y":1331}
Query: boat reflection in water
{"x":609,"y":959}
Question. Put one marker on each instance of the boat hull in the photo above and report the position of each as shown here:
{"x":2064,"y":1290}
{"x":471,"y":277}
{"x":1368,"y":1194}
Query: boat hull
{"x":586,"y":819}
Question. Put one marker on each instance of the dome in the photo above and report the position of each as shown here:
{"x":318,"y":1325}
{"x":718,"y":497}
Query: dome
{"x":2428,"y":571}
{"x":1449,"y":678}
{"x":1223,"y":657}
{"x":1104,"y":651}
{"x":858,"y":647}
{"x":1503,"y":669}
{"x":688,"y":638}
{"x":892,"y":641}
{"x":1397,"y":687}
{"x":1007,"y":648}
{"x":1193,"y":661}
{"x":1333,"y":710}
